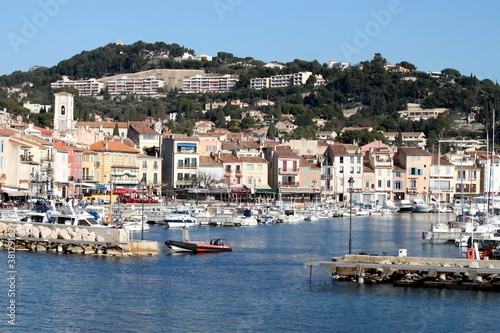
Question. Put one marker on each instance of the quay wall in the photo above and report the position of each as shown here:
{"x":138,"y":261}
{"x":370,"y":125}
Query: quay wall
{"x":102,"y":234}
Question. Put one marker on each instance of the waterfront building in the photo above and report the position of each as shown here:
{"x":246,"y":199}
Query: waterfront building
{"x":442,"y":179}
{"x":466,"y":175}
{"x":377,"y":175}
{"x":417,"y":163}
{"x":74,"y":162}
{"x":180,"y":161}
{"x":284,"y":167}
{"x":114,"y":163}
{"x":341,"y":162}
{"x":489,"y":165}
{"x":150,"y":172}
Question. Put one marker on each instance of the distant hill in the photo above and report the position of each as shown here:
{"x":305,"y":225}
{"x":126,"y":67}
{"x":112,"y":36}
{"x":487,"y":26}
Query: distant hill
{"x":375,"y":89}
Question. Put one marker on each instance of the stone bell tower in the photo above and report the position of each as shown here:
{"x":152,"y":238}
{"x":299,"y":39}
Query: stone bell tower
{"x":63,"y":111}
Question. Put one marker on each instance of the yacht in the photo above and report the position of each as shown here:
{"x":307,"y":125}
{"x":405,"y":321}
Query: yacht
{"x":405,"y":206}
{"x":180,"y":221}
{"x":419,"y":206}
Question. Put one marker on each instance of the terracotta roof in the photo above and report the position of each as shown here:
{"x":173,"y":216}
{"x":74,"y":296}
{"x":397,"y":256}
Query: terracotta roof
{"x":414,"y":152}
{"x":227,"y":158}
{"x":7,"y":131}
{"x":250,"y":144}
{"x":112,"y":146}
{"x":125,"y":141}
{"x":253,"y":159}
{"x":338,"y":149}
{"x":285,"y":152}
{"x":208,"y":161}
{"x":143,"y":128}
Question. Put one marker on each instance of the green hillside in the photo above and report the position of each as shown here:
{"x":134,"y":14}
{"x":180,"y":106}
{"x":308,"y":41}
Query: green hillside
{"x":377,"y":94}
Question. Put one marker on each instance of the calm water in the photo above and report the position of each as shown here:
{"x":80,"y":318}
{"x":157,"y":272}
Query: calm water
{"x":262,"y":286}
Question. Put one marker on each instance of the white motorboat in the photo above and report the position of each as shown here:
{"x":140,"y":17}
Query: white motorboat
{"x":405,"y":206}
{"x":180,"y":221}
{"x":389,"y":205}
{"x":419,"y":206}
{"x":67,"y":215}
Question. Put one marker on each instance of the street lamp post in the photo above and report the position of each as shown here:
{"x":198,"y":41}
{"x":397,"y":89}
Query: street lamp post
{"x":142,"y":185}
{"x":351,"y":183}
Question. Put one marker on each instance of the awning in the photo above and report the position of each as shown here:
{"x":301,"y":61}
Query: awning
{"x":265,"y":191}
{"x":184,"y":144}
{"x":16,"y":193}
{"x":85,"y":185}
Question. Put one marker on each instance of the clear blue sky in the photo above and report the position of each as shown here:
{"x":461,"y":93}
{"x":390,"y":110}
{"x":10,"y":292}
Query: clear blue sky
{"x":431,"y":34}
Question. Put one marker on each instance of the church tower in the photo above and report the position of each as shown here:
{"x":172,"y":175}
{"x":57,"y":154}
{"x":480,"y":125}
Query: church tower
{"x":63,"y":111}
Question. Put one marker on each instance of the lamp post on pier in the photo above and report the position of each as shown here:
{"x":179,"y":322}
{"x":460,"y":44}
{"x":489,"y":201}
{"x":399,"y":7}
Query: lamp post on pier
{"x":142,"y":186}
{"x":351,"y":183}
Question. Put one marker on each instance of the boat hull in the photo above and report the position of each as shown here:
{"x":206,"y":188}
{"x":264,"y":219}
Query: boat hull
{"x":194,"y":247}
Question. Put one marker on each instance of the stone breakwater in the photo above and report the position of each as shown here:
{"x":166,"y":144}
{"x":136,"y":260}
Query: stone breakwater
{"x":55,"y":238}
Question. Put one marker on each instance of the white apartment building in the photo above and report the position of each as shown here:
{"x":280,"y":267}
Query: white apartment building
{"x":88,"y":87}
{"x":35,"y":107}
{"x":332,"y":63}
{"x":279,"y":81}
{"x":203,"y":83}
{"x":138,"y":85}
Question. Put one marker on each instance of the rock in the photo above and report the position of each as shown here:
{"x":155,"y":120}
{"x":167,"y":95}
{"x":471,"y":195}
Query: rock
{"x":20,"y":231}
{"x":89,"y":237}
{"x":83,"y":231}
{"x":54,"y":234}
{"x":45,"y":232}
{"x":99,"y":238}
{"x":3,"y":228}
{"x":70,"y":231}
{"x":35,"y":232}
{"x":40,"y":248}
{"x":77,"y":236}
{"x":63,"y":234}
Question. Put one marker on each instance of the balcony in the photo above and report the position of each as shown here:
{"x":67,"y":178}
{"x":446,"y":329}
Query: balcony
{"x":187,"y":166}
{"x":288,"y":172}
{"x":88,"y":178}
{"x":327,"y":177}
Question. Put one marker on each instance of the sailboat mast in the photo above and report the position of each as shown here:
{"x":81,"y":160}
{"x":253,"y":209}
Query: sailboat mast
{"x":439,"y":181}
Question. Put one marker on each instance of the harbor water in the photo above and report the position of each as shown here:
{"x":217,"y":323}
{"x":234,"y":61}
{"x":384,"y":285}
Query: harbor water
{"x":262,"y":286}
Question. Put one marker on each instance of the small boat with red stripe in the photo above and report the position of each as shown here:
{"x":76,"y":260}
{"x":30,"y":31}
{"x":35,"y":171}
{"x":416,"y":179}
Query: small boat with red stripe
{"x":187,"y":246}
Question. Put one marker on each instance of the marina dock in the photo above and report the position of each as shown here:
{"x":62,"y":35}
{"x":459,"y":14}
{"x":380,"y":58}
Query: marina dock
{"x":415,"y":271}
{"x":60,"y":238}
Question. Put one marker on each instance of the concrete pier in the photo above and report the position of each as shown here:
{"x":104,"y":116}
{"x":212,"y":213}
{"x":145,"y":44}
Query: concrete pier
{"x":416,"y":271}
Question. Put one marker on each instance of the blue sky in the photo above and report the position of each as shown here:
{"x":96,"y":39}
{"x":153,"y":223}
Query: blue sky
{"x":431,"y":34}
